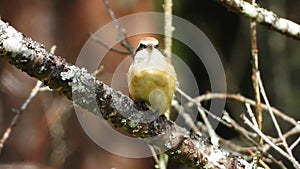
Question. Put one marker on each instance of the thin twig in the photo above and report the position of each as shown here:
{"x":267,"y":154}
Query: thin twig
{"x":202,"y":110}
{"x":169,"y":28}
{"x":240,"y":98}
{"x":168,"y":50}
{"x":226,"y":121}
{"x":187,"y":117}
{"x":72,"y":81}
{"x":16,"y":118}
{"x":97,"y":71}
{"x":53,"y":49}
{"x":194,"y":101}
{"x":45,"y":88}
{"x":267,"y":140}
{"x":236,"y":147}
{"x":254,"y":53}
{"x":261,"y":162}
{"x":293,"y":131}
{"x":251,"y":115}
{"x":242,"y":131}
{"x":168,"y":32}
{"x":295,"y":143}
{"x":273,"y":116}
{"x":121,"y":31}
{"x":107,"y":46}
{"x":154,"y":154}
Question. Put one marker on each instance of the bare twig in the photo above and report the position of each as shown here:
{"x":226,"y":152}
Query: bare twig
{"x":214,"y":137}
{"x":188,"y":119}
{"x":293,"y":131}
{"x":266,"y":106}
{"x":242,"y":131}
{"x":168,"y":32}
{"x":254,"y":53}
{"x":168,"y":29}
{"x":97,"y":71}
{"x":154,"y":154}
{"x":251,"y":115}
{"x":263,"y":16}
{"x":121,"y":31}
{"x":243,"y":99}
{"x":295,"y":143}
{"x":195,"y":101}
{"x":267,"y":140}
{"x":87,"y":92}
{"x":15,"y":119}
{"x":107,"y":46}
{"x":263,"y":164}
{"x":236,"y":147}
{"x":273,"y":116}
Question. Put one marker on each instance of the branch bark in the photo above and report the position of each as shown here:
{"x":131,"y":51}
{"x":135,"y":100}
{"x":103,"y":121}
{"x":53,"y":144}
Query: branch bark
{"x":78,"y":85}
{"x":264,"y":17}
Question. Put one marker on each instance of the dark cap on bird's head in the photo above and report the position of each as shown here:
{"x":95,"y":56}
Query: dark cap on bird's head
{"x":147,"y":42}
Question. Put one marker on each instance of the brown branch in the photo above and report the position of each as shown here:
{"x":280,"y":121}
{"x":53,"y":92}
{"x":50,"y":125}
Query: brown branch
{"x":96,"y":97}
{"x":243,"y":99}
{"x":93,"y":37}
{"x":263,"y":16}
{"x":121,"y":31}
{"x":17,"y":115}
{"x":255,"y":69}
{"x":267,"y":140}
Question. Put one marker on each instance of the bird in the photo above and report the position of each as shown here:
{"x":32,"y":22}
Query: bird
{"x":151,"y":77}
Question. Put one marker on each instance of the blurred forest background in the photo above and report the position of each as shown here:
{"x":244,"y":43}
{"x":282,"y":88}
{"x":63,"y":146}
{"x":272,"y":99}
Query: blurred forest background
{"x":49,"y":133}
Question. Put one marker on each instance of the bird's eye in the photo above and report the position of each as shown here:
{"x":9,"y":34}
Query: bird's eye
{"x":141,"y":47}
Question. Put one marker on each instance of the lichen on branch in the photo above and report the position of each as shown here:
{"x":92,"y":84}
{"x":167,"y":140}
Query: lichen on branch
{"x":82,"y":88}
{"x":264,"y":17}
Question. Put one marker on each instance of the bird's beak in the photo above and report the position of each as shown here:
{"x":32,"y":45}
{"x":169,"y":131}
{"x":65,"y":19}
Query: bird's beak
{"x":150,"y":47}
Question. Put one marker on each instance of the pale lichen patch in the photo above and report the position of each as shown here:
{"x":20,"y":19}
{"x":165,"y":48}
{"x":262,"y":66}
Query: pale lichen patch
{"x":13,"y":42}
{"x":79,"y":81}
{"x":68,"y":74}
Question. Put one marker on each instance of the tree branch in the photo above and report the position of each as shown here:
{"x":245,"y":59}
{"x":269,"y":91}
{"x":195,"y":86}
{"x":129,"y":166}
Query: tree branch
{"x":74,"y":82}
{"x":18,"y":113}
{"x":263,"y":16}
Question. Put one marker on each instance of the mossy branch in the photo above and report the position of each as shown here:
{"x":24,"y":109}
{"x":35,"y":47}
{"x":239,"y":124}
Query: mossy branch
{"x":78,"y":85}
{"x":264,"y":17}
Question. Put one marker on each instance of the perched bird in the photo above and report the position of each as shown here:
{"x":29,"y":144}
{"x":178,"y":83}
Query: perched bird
{"x":151,"y":77}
